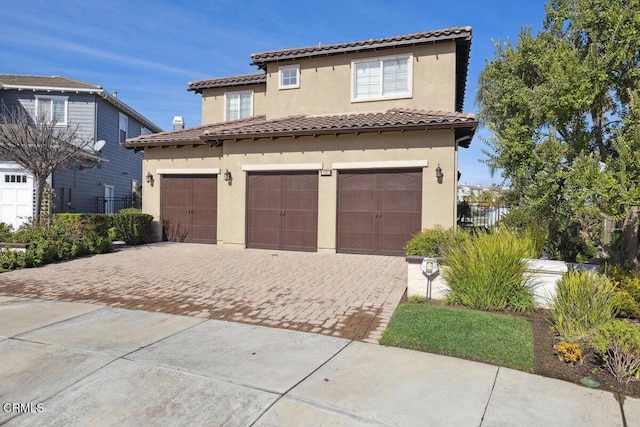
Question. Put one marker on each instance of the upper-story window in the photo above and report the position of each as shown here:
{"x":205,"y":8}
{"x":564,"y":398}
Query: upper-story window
{"x":144,"y":131}
{"x":238,"y":105}
{"x":123,"y":126}
{"x":52,"y":109}
{"x":382,"y":78}
{"x":289,"y":77}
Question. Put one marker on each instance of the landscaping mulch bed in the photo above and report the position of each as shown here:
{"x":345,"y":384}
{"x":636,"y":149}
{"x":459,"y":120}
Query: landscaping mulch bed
{"x":548,"y":364}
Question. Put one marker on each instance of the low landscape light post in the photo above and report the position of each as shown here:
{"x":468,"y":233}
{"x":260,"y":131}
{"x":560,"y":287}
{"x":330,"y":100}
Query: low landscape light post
{"x":430,"y":269}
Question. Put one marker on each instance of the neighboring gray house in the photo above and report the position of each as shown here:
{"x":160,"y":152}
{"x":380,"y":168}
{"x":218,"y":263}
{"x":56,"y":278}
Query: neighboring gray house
{"x":101,"y":117}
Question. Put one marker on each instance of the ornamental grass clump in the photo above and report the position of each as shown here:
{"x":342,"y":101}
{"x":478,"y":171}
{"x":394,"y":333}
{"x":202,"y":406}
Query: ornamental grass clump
{"x":583,"y":301}
{"x":489,"y":272}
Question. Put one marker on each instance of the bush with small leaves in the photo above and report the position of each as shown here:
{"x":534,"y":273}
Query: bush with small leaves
{"x":618,"y":343}
{"x":435,"y":242}
{"x":133,"y":226}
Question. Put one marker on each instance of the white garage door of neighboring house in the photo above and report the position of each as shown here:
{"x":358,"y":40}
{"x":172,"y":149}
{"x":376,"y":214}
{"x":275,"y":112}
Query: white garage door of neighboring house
{"x":16,"y":197}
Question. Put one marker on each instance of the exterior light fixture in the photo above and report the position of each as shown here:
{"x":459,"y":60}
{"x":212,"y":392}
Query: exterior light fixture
{"x":227,"y":175}
{"x":439,"y":174}
{"x":149,"y":178}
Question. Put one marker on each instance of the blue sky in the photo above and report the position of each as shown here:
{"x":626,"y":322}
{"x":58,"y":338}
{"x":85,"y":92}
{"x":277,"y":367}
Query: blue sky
{"x":148,"y":50}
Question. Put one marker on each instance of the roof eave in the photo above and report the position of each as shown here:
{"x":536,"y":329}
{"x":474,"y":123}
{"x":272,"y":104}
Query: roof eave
{"x":354,"y":49}
{"x":50,"y":88}
{"x":218,"y":138}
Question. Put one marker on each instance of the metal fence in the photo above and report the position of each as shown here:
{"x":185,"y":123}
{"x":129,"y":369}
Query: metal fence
{"x":479,"y":214}
{"x":116,"y":204}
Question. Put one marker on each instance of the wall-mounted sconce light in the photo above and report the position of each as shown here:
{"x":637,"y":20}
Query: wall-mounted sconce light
{"x":439,"y":174}
{"x":149,"y":178}
{"x":227,"y":175}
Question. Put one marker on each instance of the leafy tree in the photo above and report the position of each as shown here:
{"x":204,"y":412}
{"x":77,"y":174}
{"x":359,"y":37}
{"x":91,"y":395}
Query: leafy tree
{"x":563,"y":110}
{"x":38,"y":146}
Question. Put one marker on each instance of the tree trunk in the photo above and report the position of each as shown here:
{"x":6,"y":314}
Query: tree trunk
{"x":40,"y":184}
{"x":629,"y":246}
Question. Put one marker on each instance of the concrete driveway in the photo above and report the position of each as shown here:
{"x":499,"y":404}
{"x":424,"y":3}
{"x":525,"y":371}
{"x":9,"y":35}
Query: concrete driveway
{"x":68,"y":364}
{"x":348,"y":296}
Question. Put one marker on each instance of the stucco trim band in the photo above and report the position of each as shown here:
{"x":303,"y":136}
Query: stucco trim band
{"x":212,"y":171}
{"x":382,"y":165}
{"x":282,"y":167}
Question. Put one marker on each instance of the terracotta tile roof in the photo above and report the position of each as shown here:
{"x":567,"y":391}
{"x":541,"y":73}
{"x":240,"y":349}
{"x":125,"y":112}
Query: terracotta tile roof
{"x":10,"y":80}
{"x":188,"y":136}
{"x":246,"y":79}
{"x":294,"y":126}
{"x":261,"y":59}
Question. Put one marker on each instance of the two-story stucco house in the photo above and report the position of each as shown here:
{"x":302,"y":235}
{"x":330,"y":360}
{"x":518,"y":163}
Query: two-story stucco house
{"x":335,"y":148}
{"x":100,"y":116}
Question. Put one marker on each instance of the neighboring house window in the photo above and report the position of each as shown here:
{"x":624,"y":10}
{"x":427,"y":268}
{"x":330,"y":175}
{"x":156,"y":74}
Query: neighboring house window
{"x":53,"y":109}
{"x":124,"y":127}
{"x":144,"y":131}
{"x":238,"y":105}
{"x":382,"y":78}
{"x":289,"y":77}
{"x":15,"y":178}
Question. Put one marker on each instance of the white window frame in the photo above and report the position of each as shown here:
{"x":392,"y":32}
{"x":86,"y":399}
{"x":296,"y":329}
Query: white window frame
{"x":381,"y":60}
{"x":281,"y":84}
{"x":123,"y":125}
{"x":144,"y":131}
{"x":65,"y":99}
{"x":237,"y":93}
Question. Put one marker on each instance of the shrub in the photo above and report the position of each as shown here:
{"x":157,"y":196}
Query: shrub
{"x":583,"y":301}
{"x":488,"y":272}
{"x":5,"y":232}
{"x":133,"y":226}
{"x":80,"y":224}
{"x":435,"y":242}
{"x":618,"y":342}
{"x":627,"y":296}
{"x":12,"y":260}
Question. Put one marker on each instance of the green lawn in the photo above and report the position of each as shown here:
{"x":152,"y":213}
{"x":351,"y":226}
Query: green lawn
{"x":492,"y":338}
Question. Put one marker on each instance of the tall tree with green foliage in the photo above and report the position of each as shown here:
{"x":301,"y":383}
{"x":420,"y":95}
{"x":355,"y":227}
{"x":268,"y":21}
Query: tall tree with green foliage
{"x":562,"y":106}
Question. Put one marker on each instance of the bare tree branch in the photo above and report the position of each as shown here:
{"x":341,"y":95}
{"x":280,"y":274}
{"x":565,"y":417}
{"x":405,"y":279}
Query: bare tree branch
{"x":38,"y":146}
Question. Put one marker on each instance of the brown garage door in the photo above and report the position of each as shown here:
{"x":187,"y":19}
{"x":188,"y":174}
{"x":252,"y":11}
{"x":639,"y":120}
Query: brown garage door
{"x":282,"y":211}
{"x":189,"y":208}
{"x":378,"y":211}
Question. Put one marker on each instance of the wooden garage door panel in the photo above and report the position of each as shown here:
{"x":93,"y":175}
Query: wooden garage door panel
{"x":378,"y":210}
{"x":297,"y":240}
{"x":189,"y":208}
{"x":282,"y":210}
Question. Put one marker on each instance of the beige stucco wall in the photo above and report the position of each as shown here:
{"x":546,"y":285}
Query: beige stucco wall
{"x":325,"y":86}
{"x":311,"y":153}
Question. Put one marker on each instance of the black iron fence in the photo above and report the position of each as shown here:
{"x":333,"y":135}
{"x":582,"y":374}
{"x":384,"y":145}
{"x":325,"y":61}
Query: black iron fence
{"x":116,"y":204}
{"x":480,"y":214}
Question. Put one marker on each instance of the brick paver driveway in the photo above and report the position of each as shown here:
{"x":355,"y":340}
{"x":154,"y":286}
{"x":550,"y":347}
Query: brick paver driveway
{"x":351,"y":296}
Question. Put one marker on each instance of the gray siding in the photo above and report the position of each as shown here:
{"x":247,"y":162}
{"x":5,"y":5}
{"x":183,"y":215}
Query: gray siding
{"x":77,"y":190}
{"x":80,"y":111}
{"x":122,"y":166}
